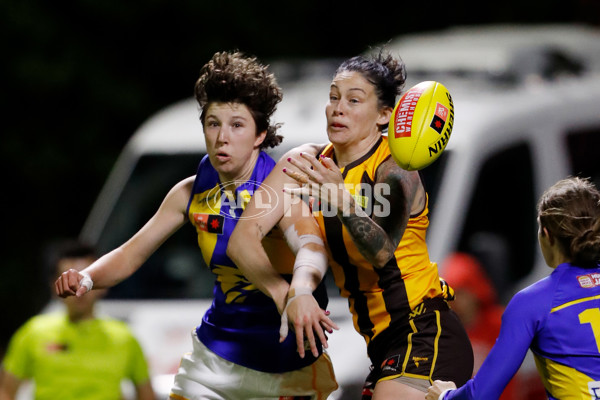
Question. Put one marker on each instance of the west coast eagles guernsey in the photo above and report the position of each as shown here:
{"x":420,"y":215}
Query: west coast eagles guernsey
{"x":558,"y":318}
{"x":382,"y":297}
{"x":242,"y":324}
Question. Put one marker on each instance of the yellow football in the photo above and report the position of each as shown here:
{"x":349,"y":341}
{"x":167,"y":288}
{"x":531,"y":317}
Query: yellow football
{"x":420,"y":125}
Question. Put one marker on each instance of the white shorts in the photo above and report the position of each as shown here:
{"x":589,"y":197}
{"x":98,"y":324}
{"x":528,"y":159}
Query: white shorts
{"x":203,"y":375}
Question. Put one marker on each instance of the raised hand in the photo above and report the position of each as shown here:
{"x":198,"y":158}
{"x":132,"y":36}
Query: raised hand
{"x":321,"y":179}
{"x":73,"y":283}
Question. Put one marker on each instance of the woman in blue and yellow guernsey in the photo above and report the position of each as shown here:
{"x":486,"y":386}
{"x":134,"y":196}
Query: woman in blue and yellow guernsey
{"x":373,"y":217}
{"x":558,"y":317}
{"x":237,"y":353}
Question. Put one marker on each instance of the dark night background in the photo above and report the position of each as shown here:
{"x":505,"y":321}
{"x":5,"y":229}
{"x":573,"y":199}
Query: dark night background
{"x":78,"y":77}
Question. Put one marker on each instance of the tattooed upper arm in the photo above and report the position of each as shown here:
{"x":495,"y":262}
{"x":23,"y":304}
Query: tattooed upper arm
{"x":377,"y":237}
{"x":399,"y":188}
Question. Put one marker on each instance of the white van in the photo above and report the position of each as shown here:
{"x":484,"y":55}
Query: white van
{"x":527,"y":114}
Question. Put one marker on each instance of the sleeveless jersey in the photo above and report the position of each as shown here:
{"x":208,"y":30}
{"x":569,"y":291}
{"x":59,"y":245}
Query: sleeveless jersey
{"x":558,"y":318}
{"x":378,"y":298}
{"x":242,"y":324}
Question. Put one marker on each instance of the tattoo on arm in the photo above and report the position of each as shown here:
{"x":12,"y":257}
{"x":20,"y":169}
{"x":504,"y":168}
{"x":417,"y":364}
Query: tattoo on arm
{"x":403,"y":187}
{"x":378,"y":238}
{"x":260,"y":231}
{"x":370,"y":239}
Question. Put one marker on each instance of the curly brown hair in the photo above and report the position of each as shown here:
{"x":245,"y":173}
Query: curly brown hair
{"x":233,"y":77}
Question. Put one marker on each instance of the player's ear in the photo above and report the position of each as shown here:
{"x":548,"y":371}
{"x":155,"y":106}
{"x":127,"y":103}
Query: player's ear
{"x":260,"y":138}
{"x":384,"y":115}
{"x":546,"y":233}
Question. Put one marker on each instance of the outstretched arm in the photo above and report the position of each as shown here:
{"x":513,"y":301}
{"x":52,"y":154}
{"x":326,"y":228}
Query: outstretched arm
{"x":245,"y":248}
{"x":302,"y":311}
{"x":302,"y":233}
{"x":265,"y":210}
{"x":522,"y":317}
{"x":123,"y":261}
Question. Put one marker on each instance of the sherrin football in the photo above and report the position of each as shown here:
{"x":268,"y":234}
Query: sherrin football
{"x":420,"y":125}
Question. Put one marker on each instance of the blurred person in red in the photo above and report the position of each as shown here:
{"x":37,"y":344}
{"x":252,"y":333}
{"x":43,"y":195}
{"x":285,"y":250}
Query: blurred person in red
{"x":480,"y":311}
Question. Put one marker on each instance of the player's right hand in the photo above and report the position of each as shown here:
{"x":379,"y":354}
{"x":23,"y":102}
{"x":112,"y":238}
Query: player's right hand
{"x":73,"y":283}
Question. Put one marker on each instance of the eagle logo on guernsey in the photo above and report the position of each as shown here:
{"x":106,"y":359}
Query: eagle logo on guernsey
{"x":589,"y":281}
{"x":211,"y":223}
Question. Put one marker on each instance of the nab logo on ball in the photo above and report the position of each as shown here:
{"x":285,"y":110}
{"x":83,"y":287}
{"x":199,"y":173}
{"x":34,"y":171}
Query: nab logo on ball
{"x":420,"y":125}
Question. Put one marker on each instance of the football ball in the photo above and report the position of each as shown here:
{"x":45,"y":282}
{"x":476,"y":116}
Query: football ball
{"x":421,"y":125}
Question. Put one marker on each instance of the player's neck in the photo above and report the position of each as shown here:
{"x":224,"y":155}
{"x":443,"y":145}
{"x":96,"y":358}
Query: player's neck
{"x":232,"y":181}
{"x":346,"y":154}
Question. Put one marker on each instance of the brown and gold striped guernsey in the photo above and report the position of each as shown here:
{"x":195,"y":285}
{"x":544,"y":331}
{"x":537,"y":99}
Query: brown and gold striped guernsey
{"x":378,"y":297}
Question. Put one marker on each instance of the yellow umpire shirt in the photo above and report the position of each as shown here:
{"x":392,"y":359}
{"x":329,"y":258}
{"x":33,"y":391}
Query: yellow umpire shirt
{"x":85,"y":360}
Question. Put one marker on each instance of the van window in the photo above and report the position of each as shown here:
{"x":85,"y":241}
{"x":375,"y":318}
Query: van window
{"x":176,"y":269}
{"x":432,"y":178}
{"x":583,"y":148}
{"x":500,"y":228}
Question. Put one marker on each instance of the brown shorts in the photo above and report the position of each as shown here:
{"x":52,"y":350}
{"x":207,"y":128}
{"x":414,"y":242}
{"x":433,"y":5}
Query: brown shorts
{"x":432,"y":345}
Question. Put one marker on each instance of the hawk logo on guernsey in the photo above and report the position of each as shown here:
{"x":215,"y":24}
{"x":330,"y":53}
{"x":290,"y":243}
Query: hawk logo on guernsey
{"x":439,"y":118}
{"x":589,"y":281}
{"x":417,"y":360}
{"x":211,"y":223}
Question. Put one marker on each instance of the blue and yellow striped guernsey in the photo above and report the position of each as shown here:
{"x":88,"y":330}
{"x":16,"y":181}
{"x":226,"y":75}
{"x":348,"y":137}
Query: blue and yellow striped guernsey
{"x":242,"y":324}
{"x":558,"y":318}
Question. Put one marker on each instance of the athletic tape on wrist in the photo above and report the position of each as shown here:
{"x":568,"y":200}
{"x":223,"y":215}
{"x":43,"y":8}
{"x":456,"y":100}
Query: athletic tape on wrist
{"x":297,"y":242}
{"x":86,"y":281}
{"x":313,"y":259}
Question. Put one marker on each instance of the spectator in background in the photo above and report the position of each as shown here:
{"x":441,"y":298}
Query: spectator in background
{"x":73,"y":354}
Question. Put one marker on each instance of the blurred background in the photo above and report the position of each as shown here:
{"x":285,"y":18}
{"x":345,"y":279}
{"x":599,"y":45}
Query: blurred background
{"x":78,"y":77}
